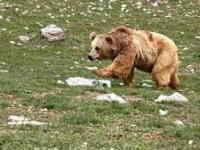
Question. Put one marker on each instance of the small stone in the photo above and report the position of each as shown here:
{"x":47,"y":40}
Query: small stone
{"x":24,"y":38}
{"x":60,"y":82}
{"x":163,"y":112}
{"x":179,"y":123}
{"x":12,"y":42}
{"x":146,"y":85}
{"x":197,"y":37}
{"x":44,"y":110}
{"x":20,"y":44}
{"x":3,"y":71}
{"x":190,"y":142}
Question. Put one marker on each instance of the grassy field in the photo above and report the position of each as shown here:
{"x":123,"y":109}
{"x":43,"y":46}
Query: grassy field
{"x":76,"y":120}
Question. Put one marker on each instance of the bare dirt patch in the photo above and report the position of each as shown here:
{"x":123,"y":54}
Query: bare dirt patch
{"x":42,"y":94}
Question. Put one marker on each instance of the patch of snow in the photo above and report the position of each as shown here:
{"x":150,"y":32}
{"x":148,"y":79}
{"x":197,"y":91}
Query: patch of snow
{"x":176,"y":97}
{"x":111,"y":98}
{"x":79,"y":81}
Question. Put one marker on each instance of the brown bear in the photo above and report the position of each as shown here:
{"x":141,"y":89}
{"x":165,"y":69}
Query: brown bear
{"x":128,"y":48}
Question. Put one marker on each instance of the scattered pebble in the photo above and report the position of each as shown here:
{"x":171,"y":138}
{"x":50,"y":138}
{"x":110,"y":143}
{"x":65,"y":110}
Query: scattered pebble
{"x":4,"y":71}
{"x":146,"y":85}
{"x":21,"y":120}
{"x":91,"y":68}
{"x":111,"y":98}
{"x":197,"y":37}
{"x":163,"y":112}
{"x":155,"y":4}
{"x":44,"y":110}
{"x":190,"y":69}
{"x":12,"y":42}
{"x":24,"y":38}
{"x":60,"y":82}
{"x":190,"y":142}
{"x":179,"y":123}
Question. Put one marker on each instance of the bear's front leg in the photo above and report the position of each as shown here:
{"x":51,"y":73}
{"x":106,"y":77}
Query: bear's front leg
{"x":128,"y":80}
{"x":105,"y":72}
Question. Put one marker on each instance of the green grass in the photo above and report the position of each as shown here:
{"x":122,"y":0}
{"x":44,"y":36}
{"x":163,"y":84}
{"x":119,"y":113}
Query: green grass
{"x":76,"y":120}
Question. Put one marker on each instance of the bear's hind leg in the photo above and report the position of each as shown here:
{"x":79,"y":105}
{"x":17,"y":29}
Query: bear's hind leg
{"x":174,"y":82}
{"x":162,"y":79}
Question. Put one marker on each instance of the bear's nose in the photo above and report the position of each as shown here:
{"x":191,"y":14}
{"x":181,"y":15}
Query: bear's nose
{"x":90,"y":57}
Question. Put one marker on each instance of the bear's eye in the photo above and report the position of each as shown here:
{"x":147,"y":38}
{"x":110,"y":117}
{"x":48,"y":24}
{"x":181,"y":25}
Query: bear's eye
{"x":97,"y":49}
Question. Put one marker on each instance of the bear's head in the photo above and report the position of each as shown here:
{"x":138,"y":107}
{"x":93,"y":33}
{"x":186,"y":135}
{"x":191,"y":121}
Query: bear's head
{"x":103,"y":46}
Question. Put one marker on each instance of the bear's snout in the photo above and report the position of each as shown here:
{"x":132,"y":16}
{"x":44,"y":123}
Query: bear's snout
{"x":90,"y":57}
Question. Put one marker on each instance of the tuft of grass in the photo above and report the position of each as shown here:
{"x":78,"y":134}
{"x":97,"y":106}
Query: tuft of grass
{"x":3,"y":104}
{"x":82,"y":119}
{"x":186,"y":133}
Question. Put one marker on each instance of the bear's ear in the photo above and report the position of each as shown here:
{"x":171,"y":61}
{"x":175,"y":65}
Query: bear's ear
{"x":92,"y":35}
{"x":109,"y":39}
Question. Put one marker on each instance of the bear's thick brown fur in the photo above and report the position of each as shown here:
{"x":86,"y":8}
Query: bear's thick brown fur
{"x":129,"y":48}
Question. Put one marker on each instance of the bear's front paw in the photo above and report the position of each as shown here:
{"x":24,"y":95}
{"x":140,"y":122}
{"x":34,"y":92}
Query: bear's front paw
{"x":102,"y":73}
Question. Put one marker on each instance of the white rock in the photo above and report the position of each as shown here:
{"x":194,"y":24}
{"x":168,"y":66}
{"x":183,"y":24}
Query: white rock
{"x":12,"y":42}
{"x":146,"y":85}
{"x":24,"y":38}
{"x":155,"y":4}
{"x":190,"y":142}
{"x":139,"y":3}
{"x":17,"y":118}
{"x":26,"y":28}
{"x":79,"y":81}
{"x":52,"y":32}
{"x":121,"y":84}
{"x":91,"y":68}
{"x":26,"y":123}
{"x":3,"y":71}
{"x":148,"y":81}
{"x":176,"y":97}
{"x":168,"y":16}
{"x":185,"y":48}
{"x":21,"y":120}
{"x":20,"y":44}
{"x":2,"y":63}
{"x":179,"y":123}
{"x":111,"y":98}
{"x":60,"y":82}
{"x":44,"y":110}
{"x":190,"y":69}
{"x":197,"y":37}
{"x":163,"y":112}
